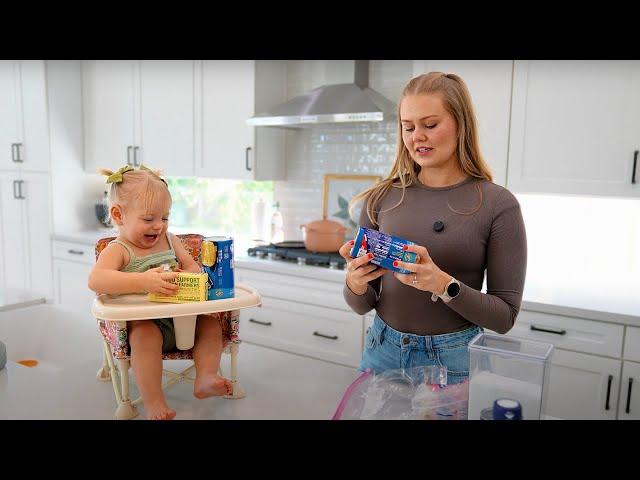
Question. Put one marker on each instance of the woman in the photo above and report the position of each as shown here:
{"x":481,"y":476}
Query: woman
{"x":439,"y":194}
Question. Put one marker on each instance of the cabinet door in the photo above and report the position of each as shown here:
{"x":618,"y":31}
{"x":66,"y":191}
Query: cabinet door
{"x":583,"y":387}
{"x":37,"y":239}
{"x":8,"y":115}
{"x":167,"y":116}
{"x":13,"y":249}
{"x":630,"y":395}
{"x":228,"y":95}
{"x":34,"y":128}
{"x":574,"y":127}
{"x":489,"y":84}
{"x":71,"y":291}
{"x":108,"y":100}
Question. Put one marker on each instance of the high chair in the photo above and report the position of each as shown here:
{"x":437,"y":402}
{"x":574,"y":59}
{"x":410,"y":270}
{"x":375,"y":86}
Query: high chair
{"x":113,"y":312}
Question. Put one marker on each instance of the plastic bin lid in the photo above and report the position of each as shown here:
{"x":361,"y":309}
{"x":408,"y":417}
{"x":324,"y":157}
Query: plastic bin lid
{"x":500,"y":344}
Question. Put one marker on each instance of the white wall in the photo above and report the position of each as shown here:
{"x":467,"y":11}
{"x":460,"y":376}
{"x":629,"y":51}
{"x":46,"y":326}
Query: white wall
{"x":364,"y":149}
{"x":74,"y":192}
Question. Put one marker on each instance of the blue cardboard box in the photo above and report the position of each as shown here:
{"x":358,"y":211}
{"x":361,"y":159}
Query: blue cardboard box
{"x":386,"y":249}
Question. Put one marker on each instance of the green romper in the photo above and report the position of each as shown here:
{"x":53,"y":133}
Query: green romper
{"x":142,"y":264}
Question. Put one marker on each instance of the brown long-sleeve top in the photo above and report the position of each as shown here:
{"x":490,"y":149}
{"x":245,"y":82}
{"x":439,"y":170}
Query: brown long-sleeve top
{"x":492,"y":238}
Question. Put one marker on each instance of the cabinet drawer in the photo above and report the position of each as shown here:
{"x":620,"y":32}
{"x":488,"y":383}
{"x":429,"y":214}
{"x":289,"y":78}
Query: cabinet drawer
{"x":76,"y":252}
{"x":295,"y":289}
{"x":632,"y":344}
{"x":304,"y":329}
{"x":570,"y":333}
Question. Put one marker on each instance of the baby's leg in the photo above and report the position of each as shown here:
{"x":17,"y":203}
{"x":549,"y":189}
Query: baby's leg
{"x":145,"y":339}
{"x":206,"y":355}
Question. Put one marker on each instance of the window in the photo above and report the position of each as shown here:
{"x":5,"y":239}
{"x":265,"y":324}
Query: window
{"x":214,"y":206}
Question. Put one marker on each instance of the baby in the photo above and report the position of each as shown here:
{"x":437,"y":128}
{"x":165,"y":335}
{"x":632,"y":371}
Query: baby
{"x":139,"y":205}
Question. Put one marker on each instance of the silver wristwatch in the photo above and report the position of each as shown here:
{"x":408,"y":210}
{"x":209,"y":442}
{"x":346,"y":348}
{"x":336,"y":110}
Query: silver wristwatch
{"x":451,"y":290}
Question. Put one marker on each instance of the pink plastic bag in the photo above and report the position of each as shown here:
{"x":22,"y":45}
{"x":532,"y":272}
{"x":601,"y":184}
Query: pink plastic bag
{"x":403,"y":394}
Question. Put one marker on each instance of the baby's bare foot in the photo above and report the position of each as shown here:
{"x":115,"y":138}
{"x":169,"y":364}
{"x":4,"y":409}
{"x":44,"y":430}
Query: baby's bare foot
{"x":212,"y":386}
{"x":159,"y":411}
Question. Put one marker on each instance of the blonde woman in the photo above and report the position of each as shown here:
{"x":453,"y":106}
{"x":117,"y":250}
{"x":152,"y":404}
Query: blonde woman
{"x":438,"y":194}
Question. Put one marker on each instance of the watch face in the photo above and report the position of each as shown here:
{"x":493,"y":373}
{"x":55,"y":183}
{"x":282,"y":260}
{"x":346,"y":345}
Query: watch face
{"x":453,"y":290}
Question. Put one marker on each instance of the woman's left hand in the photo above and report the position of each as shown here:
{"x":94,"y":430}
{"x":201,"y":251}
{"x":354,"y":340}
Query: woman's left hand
{"x":426,"y":275}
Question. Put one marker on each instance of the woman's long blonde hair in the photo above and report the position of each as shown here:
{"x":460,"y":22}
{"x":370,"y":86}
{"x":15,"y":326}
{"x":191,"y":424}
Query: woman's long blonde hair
{"x":404,"y":171}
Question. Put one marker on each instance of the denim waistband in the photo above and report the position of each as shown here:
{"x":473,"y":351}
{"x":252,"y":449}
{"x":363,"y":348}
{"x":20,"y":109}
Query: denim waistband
{"x":401,"y":339}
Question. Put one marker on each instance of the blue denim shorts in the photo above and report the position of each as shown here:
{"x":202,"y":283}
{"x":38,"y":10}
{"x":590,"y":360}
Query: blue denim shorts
{"x":387,"y":349}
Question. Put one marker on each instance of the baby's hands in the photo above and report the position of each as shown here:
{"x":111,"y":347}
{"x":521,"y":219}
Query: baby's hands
{"x":156,"y":280}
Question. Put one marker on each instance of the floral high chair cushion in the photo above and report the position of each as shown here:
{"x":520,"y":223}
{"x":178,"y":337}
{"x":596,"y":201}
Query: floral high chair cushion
{"x":117,"y":337}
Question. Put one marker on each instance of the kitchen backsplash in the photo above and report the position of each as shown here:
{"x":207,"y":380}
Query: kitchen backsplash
{"x":358,"y":149}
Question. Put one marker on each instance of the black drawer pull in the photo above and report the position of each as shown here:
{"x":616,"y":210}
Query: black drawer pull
{"x":635,"y":164}
{"x":266,"y":324}
{"x":629,"y":395}
{"x":332,"y":337}
{"x":76,"y":252}
{"x":606,"y":406}
{"x":557,"y":332}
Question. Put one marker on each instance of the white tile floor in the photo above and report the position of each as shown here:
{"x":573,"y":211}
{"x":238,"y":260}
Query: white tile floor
{"x":279,"y":385}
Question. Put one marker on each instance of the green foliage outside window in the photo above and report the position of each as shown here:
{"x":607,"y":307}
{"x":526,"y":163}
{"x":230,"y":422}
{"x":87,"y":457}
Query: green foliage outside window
{"x":219,"y":205}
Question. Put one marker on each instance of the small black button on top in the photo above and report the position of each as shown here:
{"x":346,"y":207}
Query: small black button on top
{"x":438,"y":226}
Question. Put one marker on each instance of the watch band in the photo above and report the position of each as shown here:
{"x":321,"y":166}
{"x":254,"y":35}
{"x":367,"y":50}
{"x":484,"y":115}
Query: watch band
{"x":445,"y":295}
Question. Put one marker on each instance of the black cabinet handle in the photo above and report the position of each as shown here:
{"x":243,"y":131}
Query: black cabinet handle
{"x":333,"y":337}
{"x":76,"y":252}
{"x":15,"y":189}
{"x":635,"y":164}
{"x":606,"y":406}
{"x":253,"y":320}
{"x":135,"y":156}
{"x":629,"y":395}
{"x":129,"y":147}
{"x":557,"y":332}
{"x":246,"y":159}
{"x":20,"y":196}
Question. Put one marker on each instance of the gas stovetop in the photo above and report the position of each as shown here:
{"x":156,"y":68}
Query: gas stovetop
{"x":295,"y":252}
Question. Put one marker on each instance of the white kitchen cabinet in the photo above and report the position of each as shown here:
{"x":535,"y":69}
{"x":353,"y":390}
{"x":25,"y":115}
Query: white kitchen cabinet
{"x":583,"y":387}
{"x":70,"y":285}
{"x":310,"y":330}
{"x":489,"y":84}
{"x":630,"y":394}
{"x":24,"y":134}
{"x":230,"y":92}
{"x":25,"y":246}
{"x":72,"y":263}
{"x":139,"y":112}
{"x":632,"y":344}
{"x":574,"y":127}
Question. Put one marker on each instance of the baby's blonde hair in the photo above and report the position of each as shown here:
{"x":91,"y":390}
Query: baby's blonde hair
{"x":136,"y":186}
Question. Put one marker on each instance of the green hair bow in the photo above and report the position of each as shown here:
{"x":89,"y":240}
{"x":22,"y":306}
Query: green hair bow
{"x":116,"y":177}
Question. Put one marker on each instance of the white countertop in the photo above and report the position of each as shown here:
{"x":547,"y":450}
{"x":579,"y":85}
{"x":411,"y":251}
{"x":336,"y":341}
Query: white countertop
{"x":11,"y":299}
{"x":569,"y":294}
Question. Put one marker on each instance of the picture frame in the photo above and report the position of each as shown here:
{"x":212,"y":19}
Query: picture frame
{"x":338,"y":190}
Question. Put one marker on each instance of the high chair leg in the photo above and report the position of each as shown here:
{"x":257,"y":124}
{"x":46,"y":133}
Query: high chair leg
{"x":103,"y":372}
{"x":126,"y":410}
{"x":238,"y":392}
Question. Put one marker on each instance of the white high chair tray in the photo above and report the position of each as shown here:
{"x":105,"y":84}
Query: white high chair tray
{"x":124,"y":308}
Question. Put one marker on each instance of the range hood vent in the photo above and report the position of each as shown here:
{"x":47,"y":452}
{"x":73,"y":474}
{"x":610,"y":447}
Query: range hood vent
{"x":336,"y":102}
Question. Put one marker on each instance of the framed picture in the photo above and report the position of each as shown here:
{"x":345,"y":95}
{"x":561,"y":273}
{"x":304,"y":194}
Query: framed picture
{"x":338,"y":192}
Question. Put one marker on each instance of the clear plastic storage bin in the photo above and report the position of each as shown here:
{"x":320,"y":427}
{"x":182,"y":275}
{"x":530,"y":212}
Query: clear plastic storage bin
{"x":507,"y":367}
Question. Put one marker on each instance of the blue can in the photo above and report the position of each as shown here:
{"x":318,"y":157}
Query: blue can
{"x":217,"y":262}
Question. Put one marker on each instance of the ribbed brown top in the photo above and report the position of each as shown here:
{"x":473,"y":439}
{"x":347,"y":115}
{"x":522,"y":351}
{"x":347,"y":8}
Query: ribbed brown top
{"x":493,"y":239}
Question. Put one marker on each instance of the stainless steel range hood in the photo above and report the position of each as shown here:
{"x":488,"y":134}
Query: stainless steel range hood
{"x":346,"y":97}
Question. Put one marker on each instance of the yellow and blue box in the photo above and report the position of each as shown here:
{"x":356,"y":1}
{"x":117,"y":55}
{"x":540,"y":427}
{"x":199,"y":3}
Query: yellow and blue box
{"x":193,"y":288}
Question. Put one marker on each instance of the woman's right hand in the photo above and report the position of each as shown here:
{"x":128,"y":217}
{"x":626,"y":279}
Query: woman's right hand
{"x":156,"y":280}
{"x":359,"y":271}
